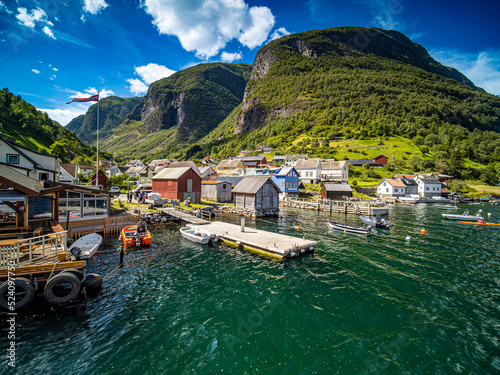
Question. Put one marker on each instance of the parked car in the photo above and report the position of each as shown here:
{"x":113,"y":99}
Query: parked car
{"x":114,"y":189}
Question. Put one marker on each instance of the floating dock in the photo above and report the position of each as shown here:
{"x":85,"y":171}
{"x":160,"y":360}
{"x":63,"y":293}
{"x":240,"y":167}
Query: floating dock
{"x":275,"y":245}
{"x":185,"y":216}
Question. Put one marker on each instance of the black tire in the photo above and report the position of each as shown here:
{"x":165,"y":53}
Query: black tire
{"x":62,"y":288}
{"x":23,"y":293}
{"x":93,"y":281}
{"x":75,"y":272}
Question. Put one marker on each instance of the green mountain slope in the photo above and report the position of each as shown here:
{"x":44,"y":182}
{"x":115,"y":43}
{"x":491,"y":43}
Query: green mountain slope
{"x":312,"y":88}
{"x":35,"y":130}
{"x":112,"y":112}
{"x":178,"y":110}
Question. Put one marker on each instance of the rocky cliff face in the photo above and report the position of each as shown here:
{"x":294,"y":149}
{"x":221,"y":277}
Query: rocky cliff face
{"x":345,"y":42}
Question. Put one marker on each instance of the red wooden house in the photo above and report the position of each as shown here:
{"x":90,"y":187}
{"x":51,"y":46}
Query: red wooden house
{"x":178,"y":183}
{"x":381,"y":159}
{"x":102,"y":179}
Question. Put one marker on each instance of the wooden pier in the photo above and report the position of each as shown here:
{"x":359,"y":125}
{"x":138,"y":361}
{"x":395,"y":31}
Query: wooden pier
{"x":184,"y":216}
{"x":107,"y":225}
{"x":343,"y":207}
{"x":275,"y":245}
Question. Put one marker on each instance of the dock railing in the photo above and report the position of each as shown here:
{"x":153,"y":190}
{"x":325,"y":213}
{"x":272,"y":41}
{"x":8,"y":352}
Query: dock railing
{"x":33,"y":250}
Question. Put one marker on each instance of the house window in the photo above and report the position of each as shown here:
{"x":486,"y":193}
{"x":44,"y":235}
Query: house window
{"x":386,"y":190}
{"x":43,"y":176}
{"x":427,"y":188}
{"x":12,"y":159}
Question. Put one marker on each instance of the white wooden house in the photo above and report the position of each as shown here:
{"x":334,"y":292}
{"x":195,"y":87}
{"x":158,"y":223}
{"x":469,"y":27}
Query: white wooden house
{"x":428,"y":187}
{"x":309,"y":170}
{"x":336,"y":171}
{"x":389,"y":188}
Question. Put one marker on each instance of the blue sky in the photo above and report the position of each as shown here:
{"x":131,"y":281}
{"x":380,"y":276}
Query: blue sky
{"x":53,"y":50}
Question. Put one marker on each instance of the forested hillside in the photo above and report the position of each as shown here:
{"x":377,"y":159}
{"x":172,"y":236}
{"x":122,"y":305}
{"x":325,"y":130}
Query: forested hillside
{"x":34,"y":129}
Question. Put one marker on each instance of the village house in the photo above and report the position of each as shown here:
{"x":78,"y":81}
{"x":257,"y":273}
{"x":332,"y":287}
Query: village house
{"x":67,"y":173}
{"x":264,"y":149}
{"x":428,"y":187}
{"x":135,"y":163}
{"x":85,"y":170}
{"x":103,"y":179}
{"x":109,"y":167}
{"x":336,"y":171}
{"x":291,"y":160}
{"x":369,"y":162}
{"x":254,"y":161}
{"x":335,"y":191}
{"x":178,"y":183}
{"x":219,"y":191}
{"x":37,"y":165}
{"x":257,"y":195}
{"x":133,"y":171}
{"x":390,"y":188}
{"x":381,"y":159}
{"x":235,"y":166}
{"x":146,"y":175}
{"x":287,"y":180}
{"x":206,"y":171}
{"x":159,"y":163}
{"x":410,"y":183}
{"x":309,"y":170}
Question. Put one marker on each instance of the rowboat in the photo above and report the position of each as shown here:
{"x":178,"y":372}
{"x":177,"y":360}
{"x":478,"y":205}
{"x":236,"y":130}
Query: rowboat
{"x":465,"y":216}
{"x":479,"y":222}
{"x":198,"y":235}
{"x":375,"y":221}
{"x":446,"y":206}
{"x":86,"y":246}
{"x":136,"y":235}
{"x":352,"y":228}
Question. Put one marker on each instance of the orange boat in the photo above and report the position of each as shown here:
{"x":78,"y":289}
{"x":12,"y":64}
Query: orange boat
{"x":479,"y":222}
{"x":136,"y":235}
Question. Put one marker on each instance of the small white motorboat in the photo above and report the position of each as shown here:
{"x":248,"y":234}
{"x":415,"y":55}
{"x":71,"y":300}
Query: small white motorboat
{"x":375,"y":221}
{"x":198,"y":235}
{"x":86,"y":246}
{"x":465,"y":216}
{"x":352,"y":228}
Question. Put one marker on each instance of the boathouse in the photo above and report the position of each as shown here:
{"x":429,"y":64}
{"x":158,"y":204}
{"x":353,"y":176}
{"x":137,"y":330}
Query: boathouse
{"x":257,"y":196}
{"x":219,"y":191}
{"x":335,"y":191}
{"x":178,"y":183}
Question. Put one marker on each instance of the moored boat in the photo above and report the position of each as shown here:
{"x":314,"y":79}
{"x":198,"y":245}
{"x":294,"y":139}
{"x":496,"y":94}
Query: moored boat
{"x":136,"y":235}
{"x":86,"y":246}
{"x":375,"y":221}
{"x":198,"y":235}
{"x":479,"y":222}
{"x":352,"y":228}
{"x":465,"y":216}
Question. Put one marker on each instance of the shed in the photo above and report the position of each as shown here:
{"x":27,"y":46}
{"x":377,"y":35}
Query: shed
{"x":219,"y":191}
{"x":336,"y":191}
{"x":258,"y":194}
{"x":178,"y":183}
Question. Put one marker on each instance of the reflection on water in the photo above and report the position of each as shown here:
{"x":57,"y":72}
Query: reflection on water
{"x":377,"y":304}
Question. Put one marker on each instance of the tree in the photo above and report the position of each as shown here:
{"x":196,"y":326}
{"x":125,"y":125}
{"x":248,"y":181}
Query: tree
{"x":59,"y":149}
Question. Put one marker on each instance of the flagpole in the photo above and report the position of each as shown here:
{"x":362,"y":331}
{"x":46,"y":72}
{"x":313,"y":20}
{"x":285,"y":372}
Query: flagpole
{"x":97,"y":146}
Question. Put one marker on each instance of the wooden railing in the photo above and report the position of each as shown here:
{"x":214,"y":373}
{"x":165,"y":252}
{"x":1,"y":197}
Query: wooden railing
{"x":32,"y":250}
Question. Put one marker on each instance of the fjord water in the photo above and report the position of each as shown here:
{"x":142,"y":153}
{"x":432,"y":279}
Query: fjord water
{"x":382,"y":304}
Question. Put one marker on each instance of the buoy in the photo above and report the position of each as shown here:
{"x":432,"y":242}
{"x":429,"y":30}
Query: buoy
{"x":298,"y":228}
{"x":422,"y":231}
{"x":408,"y":238}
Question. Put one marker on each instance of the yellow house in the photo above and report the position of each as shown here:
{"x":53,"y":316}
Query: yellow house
{"x":235,"y":166}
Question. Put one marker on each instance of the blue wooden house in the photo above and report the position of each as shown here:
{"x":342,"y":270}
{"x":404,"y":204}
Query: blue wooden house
{"x":287,"y":180}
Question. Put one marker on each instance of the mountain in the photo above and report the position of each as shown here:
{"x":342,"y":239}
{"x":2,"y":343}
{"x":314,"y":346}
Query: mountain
{"x":352,"y":82}
{"x":179,"y":110}
{"x":112,"y":112}
{"x":35,"y":130}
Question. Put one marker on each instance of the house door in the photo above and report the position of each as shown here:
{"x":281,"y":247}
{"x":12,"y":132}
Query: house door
{"x":189,"y":192}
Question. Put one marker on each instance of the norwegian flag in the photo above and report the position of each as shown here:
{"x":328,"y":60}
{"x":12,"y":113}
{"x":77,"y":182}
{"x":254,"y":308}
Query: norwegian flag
{"x":93,"y":98}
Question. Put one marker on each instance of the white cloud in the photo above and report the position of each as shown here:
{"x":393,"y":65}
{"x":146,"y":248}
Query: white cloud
{"x":94,"y":6}
{"x":38,"y":15}
{"x":64,"y":116}
{"x":3,"y":8}
{"x":153,"y":72}
{"x":92,"y":91}
{"x":384,"y":13}
{"x":137,"y":87}
{"x":206,"y":26}
{"x":36,"y":71}
{"x":49,"y":32}
{"x":230,"y":57}
{"x":55,"y":69}
{"x":279,"y":33}
{"x":482,"y":68}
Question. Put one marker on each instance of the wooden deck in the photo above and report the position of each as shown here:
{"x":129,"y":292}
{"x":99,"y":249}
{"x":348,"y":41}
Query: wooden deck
{"x":184,"y":216}
{"x":271,"y":244}
{"x":344,"y":207}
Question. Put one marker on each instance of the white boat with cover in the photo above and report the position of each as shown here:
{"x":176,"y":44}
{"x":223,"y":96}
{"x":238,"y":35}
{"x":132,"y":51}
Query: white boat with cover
{"x":86,"y":246}
{"x":352,"y":228}
{"x":465,"y":216}
{"x":198,"y":235}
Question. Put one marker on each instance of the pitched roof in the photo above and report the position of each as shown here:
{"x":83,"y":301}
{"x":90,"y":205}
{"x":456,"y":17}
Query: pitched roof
{"x":298,"y":156}
{"x":337,"y":187}
{"x":233,"y":180}
{"x":171,"y":173}
{"x":70,"y":168}
{"x":430,"y":181}
{"x":335,"y":165}
{"x":395,"y":183}
{"x":284,"y":171}
{"x":20,"y":182}
{"x":228,"y":163}
{"x":307,"y":164}
{"x":252,"y":184}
